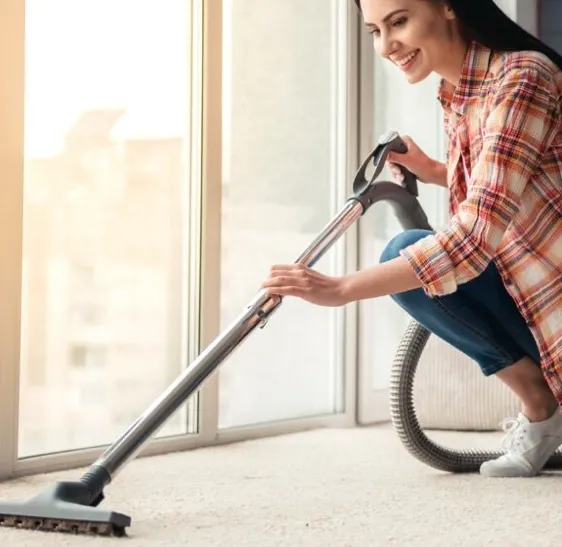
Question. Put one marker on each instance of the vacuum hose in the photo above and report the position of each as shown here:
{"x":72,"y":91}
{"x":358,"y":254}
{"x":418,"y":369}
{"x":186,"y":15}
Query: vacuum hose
{"x":405,"y":422}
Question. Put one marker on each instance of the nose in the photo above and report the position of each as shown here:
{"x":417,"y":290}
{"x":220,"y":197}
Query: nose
{"x":384,"y":45}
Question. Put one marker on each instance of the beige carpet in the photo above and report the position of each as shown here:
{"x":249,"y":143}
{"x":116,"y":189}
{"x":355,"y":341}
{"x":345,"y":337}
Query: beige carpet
{"x":355,"y":488}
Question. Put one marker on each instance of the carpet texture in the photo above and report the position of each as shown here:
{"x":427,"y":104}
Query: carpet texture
{"x":340,"y":488}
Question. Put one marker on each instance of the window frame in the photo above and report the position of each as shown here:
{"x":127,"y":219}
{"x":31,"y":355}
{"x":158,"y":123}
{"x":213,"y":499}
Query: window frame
{"x":12,"y":18}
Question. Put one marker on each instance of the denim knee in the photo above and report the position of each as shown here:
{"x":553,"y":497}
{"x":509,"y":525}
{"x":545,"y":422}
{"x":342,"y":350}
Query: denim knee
{"x":402,"y":241}
{"x":479,"y":319}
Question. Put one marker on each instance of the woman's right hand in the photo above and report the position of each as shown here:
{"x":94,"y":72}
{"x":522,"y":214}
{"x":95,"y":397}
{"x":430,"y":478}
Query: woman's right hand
{"x":420,"y":164}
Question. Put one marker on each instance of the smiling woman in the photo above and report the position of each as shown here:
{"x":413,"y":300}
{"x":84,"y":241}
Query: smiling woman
{"x":489,"y":282}
{"x":415,"y":35}
{"x":443,"y":20}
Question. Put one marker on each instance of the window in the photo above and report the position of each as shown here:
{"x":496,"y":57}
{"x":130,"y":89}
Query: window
{"x":82,"y":356}
{"x":281,"y":185}
{"x":106,"y":168}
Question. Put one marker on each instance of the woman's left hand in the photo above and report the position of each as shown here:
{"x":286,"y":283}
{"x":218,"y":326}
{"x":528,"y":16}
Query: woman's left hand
{"x":306,"y":283}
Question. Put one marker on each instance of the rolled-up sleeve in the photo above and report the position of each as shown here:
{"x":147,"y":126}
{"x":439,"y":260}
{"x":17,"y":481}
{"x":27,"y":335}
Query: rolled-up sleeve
{"x":523,"y":120}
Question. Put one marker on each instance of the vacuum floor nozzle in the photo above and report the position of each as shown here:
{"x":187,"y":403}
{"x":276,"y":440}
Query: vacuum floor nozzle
{"x":63,"y":507}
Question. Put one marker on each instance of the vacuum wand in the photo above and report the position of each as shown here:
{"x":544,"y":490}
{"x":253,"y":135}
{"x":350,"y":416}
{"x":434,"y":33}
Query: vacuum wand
{"x":260,"y":309}
{"x":71,"y":506}
{"x":256,"y":314}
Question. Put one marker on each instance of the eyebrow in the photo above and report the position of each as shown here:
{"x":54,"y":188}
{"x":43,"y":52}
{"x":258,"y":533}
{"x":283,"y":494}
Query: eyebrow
{"x":391,"y":14}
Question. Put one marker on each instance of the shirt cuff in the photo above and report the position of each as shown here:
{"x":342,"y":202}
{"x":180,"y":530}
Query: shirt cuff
{"x":432,"y":266}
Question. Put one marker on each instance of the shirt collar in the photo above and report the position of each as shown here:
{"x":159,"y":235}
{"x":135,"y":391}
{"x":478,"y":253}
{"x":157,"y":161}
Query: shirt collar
{"x":474,"y":68}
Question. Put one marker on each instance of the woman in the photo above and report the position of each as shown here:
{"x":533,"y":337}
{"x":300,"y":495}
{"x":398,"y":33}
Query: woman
{"x":490,"y":283}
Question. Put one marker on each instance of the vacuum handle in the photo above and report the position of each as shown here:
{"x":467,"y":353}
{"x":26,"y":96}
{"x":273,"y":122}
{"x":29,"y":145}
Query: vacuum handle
{"x":389,"y":142}
{"x":410,"y":181}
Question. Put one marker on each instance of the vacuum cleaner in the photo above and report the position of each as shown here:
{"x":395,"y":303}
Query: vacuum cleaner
{"x":73,"y":506}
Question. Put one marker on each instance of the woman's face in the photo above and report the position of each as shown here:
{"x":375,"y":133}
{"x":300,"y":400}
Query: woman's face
{"x":415,"y":35}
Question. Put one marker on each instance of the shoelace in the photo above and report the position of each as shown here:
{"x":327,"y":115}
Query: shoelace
{"x":514,"y":431}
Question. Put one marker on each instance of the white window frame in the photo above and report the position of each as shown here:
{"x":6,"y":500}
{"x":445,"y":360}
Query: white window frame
{"x":11,"y":138}
{"x":204,"y":293}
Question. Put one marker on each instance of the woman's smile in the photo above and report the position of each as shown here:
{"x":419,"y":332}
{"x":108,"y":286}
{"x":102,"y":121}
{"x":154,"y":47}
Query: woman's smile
{"x":405,"y":62}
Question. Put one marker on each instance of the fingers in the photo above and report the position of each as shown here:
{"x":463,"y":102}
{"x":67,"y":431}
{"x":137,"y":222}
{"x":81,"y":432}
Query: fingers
{"x":396,"y":172}
{"x":289,"y":279}
{"x":395,"y":157}
{"x":288,"y":284}
{"x":287,"y":267}
{"x":293,"y":270}
{"x":395,"y":160}
{"x":407,"y":140}
{"x":282,"y":280}
{"x":286,"y":290}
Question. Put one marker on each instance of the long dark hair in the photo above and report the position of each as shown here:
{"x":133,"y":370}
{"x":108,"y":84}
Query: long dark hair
{"x":483,"y":21}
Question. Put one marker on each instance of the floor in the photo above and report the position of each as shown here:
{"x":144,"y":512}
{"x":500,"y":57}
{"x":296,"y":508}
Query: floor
{"x":341,"y":488}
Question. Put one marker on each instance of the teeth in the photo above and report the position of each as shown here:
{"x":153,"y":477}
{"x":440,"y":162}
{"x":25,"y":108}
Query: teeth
{"x":407,"y":59}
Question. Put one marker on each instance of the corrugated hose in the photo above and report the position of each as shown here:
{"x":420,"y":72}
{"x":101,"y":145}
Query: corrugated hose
{"x":405,"y":422}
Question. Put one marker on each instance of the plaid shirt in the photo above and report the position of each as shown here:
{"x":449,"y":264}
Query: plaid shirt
{"x":504,"y":128}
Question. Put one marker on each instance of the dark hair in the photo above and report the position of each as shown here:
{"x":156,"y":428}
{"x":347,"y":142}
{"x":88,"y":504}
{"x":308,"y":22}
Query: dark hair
{"x":484,"y":21}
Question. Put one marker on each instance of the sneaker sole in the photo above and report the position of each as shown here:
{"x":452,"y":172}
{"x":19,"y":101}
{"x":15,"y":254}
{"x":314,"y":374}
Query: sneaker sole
{"x":507,"y":474}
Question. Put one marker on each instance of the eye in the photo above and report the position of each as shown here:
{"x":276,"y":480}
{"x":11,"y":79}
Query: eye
{"x":400,"y":22}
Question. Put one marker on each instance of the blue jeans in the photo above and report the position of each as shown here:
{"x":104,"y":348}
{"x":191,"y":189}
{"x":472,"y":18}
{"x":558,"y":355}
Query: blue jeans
{"x":480,"y":319}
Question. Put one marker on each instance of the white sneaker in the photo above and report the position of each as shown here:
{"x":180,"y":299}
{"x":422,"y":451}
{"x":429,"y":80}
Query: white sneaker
{"x":529,"y":446}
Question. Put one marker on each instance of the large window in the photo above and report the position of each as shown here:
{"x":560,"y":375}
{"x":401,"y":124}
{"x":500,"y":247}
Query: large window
{"x":105,"y":217}
{"x":282,"y":183}
{"x":137,"y":137}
